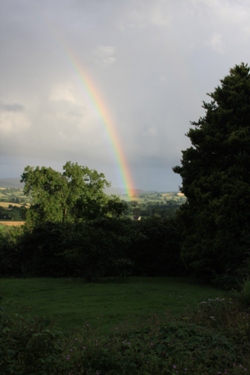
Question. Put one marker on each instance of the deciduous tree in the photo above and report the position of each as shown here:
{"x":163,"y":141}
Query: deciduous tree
{"x":75,"y":194}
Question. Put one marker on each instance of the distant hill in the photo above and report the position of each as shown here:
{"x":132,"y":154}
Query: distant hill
{"x":15,"y":183}
{"x":120,"y":191}
{"x":11,"y":183}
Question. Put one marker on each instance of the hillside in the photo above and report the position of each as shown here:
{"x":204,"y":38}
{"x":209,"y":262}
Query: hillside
{"x":11,"y":183}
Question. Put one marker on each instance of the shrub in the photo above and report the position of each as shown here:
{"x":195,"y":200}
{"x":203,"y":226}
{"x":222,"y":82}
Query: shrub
{"x":156,"y":248}
{"x":42,"y":248}
{"x":244,"y":295}
{"x":29,"y":346}
{"x":227,"y":316}
{"x":32,"y":346}
{"x":10,"y":238}
{"x":174,"y":348}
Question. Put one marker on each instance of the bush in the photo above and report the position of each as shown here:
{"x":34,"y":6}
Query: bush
{"x":226,"y":316}
{"x":174,"y":348}
{"x":29,"y":346}
{"x":244,"y":295}
{"x":156,"y":248}
{"x":32,"y":346}
{"x":99,"y":244}
{"x":42,"y":250}
{"x":90,"y":249}
{"x":10,"y":238}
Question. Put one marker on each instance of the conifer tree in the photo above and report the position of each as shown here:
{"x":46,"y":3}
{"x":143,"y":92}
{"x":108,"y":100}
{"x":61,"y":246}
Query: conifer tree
{"x":215,"y":175}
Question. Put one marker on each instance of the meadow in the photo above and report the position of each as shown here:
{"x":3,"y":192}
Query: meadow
{"x":72,"y":303}
{"x":141,"y":326}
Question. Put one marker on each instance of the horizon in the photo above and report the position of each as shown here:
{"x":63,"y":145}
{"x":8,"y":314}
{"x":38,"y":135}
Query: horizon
{"x":16,"y":180}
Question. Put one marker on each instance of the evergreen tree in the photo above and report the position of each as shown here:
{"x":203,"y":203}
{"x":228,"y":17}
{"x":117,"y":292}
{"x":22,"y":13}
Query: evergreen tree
{"x":215,"y":175}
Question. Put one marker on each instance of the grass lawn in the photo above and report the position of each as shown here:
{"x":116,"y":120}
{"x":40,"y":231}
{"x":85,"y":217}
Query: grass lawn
{"x":72,"y":303}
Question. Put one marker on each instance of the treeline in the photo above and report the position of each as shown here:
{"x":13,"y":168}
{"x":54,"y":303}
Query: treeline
{"x":159,"y":208}
{"x":93,"y":249}
{"x":13,"y":212}
{"x":13,"y":195}
{"x":74,"y":229}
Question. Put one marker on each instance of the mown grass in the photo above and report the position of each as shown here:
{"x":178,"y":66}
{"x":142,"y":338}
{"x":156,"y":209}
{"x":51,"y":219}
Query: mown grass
{"x":72,"y":303}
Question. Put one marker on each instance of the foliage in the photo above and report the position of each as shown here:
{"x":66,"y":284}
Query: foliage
{"x":123,"y":267}
{"x":29,"y":346}
{"x":243,"y":295}
{"x":155,"y":204}
{"x":169,"y":349}
{"x":90,"y":248}
{"x":211,"y":339}
{"x":71,"y":196}
{"x":13,"y":213}
{"x":156,"y":248}
{"x":75,"y":229}
{"x":12,"y":195}
{"x":10,"y":238}
{"x":106,"y":246}
{"x":97,"y":245}
{"x":215,"y":180}
{"x":226,"y":315}
{"x":32,"y":346}
{"x":41,"y":250}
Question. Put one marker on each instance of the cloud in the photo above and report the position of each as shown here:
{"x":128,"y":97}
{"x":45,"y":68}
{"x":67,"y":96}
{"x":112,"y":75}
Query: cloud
{"x":62,"y":93}
{"x":105,"y":55}
{"x":13,"y":120}
{"x":13,"y":124}
{"x":151,"y":63}
{"x":230,"y":12}
{"x":14,"y":107}
{"x":152,"y":131}
{"x":143,"y":14}
{"x":216,"y":43}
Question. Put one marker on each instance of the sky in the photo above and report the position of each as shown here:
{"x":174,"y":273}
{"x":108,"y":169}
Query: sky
{"x":112,"y":84}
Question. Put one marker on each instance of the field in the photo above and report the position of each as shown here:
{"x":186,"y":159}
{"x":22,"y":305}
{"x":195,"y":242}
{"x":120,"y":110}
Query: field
{"x":12,"y":196}
{"x":154,"y":197}
{"x":6,"y":204}
{"x":11,"y":223}
{"x":71,"y":303}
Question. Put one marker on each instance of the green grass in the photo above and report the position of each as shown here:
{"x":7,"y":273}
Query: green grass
{"x":72,"y":303}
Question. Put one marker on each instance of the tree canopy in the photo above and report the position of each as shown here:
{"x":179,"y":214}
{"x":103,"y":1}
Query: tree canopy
{"x":216,"y":181}
{"x":75,"y":194}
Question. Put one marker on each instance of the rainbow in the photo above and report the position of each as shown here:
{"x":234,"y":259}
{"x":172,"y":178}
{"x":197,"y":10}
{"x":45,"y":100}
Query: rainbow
{"x":101,"y":108}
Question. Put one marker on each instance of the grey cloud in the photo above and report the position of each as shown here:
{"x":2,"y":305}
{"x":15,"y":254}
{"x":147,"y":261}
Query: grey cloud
{"x":71,"y":71}
{"x":11,"y":107}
